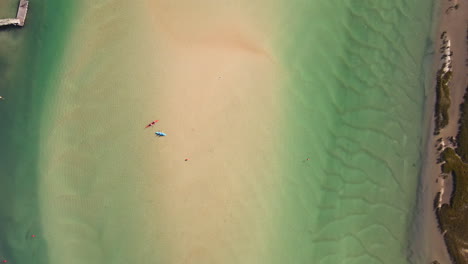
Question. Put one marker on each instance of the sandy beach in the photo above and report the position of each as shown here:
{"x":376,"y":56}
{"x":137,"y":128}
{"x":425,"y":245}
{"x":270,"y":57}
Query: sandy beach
{"x":452,"y":26}
{"x":222,"y":88}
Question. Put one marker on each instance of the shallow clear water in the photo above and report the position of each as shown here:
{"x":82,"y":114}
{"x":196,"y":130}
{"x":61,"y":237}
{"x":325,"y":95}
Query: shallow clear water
{"x":356,"y":110}
{"x":354,"y":101}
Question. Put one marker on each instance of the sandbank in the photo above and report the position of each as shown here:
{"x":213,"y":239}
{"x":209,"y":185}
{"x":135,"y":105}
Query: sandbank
{"x":222,"y":112}
{"x":209,"y":72}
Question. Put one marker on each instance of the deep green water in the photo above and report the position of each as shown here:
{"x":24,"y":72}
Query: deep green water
{"x":355,"y":108}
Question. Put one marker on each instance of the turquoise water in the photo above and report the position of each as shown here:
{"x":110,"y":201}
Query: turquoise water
{"x":356,"y":110}
{"x":354,"y":107}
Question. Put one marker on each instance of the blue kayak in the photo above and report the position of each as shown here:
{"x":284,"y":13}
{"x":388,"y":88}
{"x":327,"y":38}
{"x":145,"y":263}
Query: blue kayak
{"x":160,"y":134}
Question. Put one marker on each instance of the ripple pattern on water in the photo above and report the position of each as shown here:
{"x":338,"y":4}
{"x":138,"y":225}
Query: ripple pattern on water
{"x":357,"y":98}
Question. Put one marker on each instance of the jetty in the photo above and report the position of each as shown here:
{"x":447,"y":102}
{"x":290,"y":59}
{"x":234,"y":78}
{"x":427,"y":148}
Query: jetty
{"x":20,"y":16}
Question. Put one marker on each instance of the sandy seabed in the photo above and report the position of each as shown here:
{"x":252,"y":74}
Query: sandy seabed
{"x":209,"y":72}
{"x":221,"y":83}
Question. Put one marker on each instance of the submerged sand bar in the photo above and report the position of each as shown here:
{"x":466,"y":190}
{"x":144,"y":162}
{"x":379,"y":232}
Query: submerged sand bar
{"x":20,"y":16}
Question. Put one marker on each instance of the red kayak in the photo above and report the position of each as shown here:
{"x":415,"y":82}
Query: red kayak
{"x":152,"y":123}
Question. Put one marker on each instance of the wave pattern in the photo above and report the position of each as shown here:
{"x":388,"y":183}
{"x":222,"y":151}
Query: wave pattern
{"x":358,"y":98}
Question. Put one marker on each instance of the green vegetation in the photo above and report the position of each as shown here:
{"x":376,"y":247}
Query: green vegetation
{"x":442,"y":100}
{"x":454,"y":216}
{"x":462,"y":137}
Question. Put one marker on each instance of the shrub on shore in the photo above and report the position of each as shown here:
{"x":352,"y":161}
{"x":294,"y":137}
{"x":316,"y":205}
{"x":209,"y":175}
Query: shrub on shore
{"x":462,"y":136}
{"x":442,"y":103}
{"x":454,"y":216}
